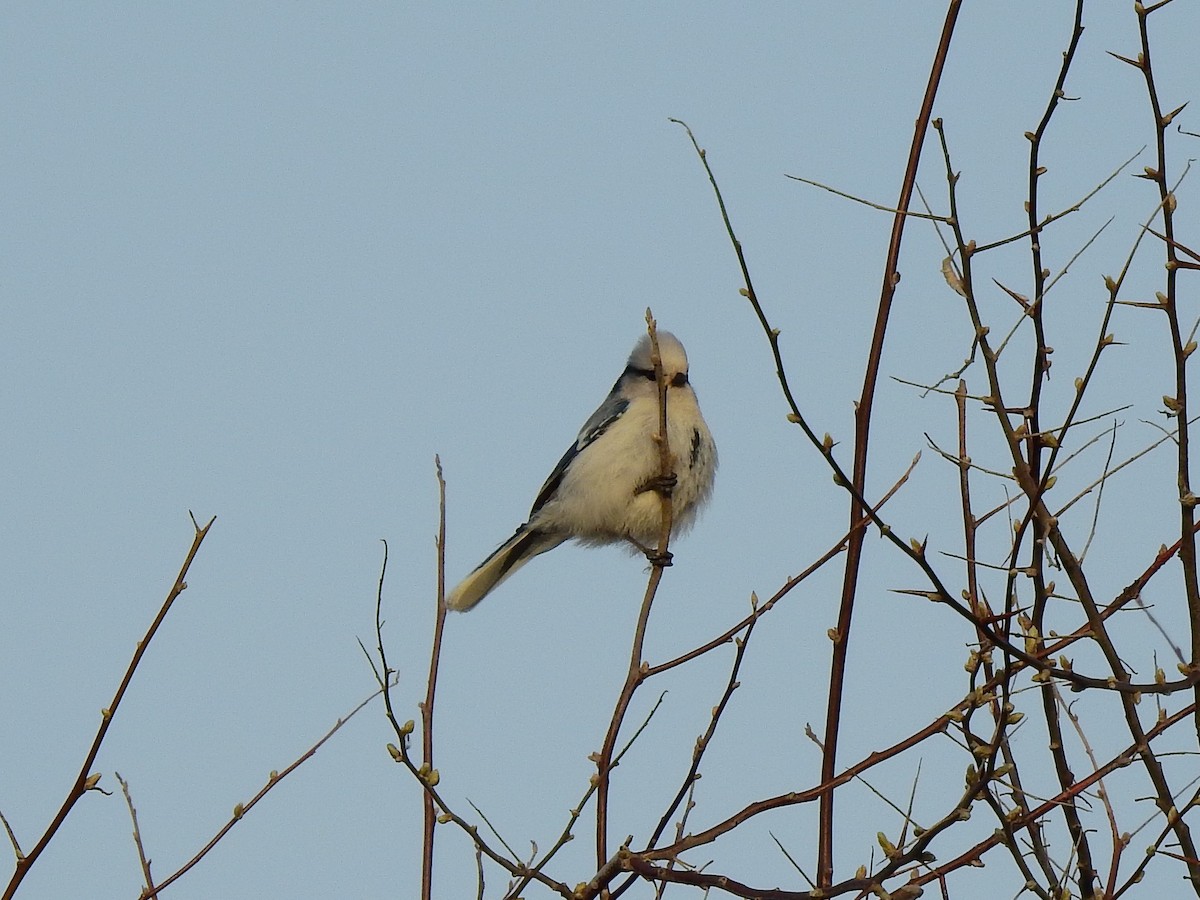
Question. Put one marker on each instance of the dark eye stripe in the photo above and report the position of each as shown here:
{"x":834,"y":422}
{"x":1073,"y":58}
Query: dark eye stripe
{"x":679,"y":379}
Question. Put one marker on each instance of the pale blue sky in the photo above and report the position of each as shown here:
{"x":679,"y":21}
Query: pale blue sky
{"x":263,"y":262}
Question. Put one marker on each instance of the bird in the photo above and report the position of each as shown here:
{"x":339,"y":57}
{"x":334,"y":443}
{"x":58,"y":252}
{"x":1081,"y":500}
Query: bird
{"x":606,"y":488}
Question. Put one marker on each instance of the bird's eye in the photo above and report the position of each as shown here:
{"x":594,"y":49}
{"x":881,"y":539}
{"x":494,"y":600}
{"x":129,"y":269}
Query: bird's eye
{"x":679,"y":379}
{"x":648,"y":374}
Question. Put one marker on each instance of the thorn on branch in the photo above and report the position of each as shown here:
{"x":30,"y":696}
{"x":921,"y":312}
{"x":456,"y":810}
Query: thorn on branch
{"x":1139,"y":63}
{"x":1167,"y":119}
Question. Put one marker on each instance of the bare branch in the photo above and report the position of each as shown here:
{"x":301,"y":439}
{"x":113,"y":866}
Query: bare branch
{"x":87,"y":780}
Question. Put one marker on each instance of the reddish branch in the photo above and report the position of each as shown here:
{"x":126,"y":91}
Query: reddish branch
{"x":862,"y":419}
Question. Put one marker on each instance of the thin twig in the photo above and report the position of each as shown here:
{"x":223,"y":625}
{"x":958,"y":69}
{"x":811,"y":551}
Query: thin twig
{"x":568,"y":831}
{"x":435,"y":654}
{"x":137,"y":834}
{"x":702,"y":742}
{"x":87,"y":780}
{"x":1054,"y":217}
{"x":12,"y":838}
{"x":492,"y":829}
{"x":758,"y":610}
{"x":887,"y":209}
{"x":428,"y":777}
{"x":1112,"y":446}
{"x":240,"y":809}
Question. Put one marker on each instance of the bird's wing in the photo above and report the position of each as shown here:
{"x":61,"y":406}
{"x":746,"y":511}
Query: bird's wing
{"x":610,"y":410}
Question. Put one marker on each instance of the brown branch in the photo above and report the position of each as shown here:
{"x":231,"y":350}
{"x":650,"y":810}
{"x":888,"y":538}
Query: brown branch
{"x":1121,"y":760}
{"x":862,"y":419}
{"x":888,"y":209}
{"x":137,"y":834}
{"x":12,"y":838}
{"x":702,"y":742}
{"x":795,"y":798}
{"x":1033,"y":449}
{"x":1178,"y":246}
{"x":427,"y":777}
{"x":760,"y":610}
{"x":1169,"y":300}
{"x":1154,"y":849}
{"x":937,"y":726}
{"x":1114,"y":831}
{"x":429,"y":822}
{"x":636,"y":673}
{"x":240,"y":809}
{"x":86,"y":780}
{"x":515,"y":891}
{"x":1054,"y":217}
{"x":1179,"y":407}
{"x":644,"y":863}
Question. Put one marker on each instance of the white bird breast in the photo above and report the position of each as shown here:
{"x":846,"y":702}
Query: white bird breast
{"x":595,"y":502}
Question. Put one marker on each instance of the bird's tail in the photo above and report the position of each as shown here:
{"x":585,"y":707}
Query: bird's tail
{"x":505,"y":559}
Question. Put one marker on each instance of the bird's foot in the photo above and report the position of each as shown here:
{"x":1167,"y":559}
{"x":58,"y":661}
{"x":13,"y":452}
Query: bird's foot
{"x":662,"y":560}
{"x":662,"y":484}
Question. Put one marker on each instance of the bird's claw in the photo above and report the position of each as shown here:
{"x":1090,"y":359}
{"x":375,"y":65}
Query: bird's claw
{"x":659,"y":560}
{"x":662,"y":560}
{"x":662,"y":484}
